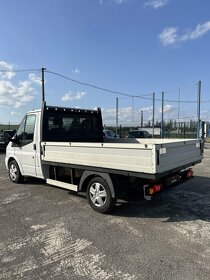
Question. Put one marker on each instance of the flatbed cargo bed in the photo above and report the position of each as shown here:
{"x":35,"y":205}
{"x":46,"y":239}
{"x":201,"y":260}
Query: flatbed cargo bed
{"x":139,"y":156}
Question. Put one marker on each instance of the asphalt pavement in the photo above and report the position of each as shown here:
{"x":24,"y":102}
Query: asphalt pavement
{"x":50,"y":233}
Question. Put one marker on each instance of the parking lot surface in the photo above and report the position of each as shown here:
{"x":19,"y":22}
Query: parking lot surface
{"x":49,"y":233}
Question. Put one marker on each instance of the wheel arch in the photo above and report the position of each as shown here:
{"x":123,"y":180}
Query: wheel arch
{"x":10,"y":159}
{"x":89,"y":175}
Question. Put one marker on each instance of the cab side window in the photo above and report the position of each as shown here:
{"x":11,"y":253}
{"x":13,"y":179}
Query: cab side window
{"x":25,"y":133}
{"x":29,"y":128}
{"x":20,"y":130}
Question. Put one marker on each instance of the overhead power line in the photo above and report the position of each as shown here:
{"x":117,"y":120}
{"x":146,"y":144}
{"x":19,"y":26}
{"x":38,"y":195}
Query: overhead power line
{"x":20,"y":70}
{"x":108,"y":90}
{"x":96,"y":87}
{"x":126,"y":94}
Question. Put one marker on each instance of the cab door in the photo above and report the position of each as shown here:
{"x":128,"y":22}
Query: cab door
{"x":25,"y":151}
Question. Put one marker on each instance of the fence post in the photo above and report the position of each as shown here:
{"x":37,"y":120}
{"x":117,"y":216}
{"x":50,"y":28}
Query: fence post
{"x":142,"y":118}
{"x":199,"y":108}
{"x":162,"y":116}
{"x":153,"y":116}
{"x":117,"y":108}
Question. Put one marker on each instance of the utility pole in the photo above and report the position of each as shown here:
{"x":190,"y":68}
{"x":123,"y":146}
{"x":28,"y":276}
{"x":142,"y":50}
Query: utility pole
{"x":153,"y":116}
{"x":142,"y":118}
{"x":133,"y":110}
{"x":179,"y":109}
{"x":199,"y":108}
{"x":179,"y":104}
{"x":117,"y":112}
{"x":43,"y":94}
{"x":162,"y":118}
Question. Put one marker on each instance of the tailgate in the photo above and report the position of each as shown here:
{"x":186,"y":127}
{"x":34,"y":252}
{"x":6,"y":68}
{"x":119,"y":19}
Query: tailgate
{"x":184,"y":153}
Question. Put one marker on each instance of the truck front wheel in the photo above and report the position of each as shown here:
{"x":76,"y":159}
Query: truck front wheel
{"x":99,"y":195}
{"x":14,"y":172}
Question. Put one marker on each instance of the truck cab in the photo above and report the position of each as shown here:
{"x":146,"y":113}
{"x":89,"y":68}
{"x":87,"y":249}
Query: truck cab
{"x":24,"y":148}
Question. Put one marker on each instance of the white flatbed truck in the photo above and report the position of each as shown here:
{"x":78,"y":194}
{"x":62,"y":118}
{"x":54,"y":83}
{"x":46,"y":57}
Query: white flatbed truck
{"x":65,"y":147}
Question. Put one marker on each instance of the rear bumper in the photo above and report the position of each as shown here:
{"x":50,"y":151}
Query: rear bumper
{"x":158,"y":186}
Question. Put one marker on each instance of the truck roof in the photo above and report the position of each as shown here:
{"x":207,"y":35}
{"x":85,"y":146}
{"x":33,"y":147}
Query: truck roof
{"x":34,"y":111}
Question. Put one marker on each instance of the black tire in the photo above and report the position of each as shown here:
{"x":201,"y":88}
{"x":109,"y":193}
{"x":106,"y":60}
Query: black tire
{"x":99,"y":195}
{"x":14,"y":172}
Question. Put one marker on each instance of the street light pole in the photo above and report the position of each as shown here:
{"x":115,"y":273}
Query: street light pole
{"x":199,"y":108}
{"x":43,"y":93}
{"x":153,"y":116}
{"x":117,"y":114}
{"x":162,"y":117}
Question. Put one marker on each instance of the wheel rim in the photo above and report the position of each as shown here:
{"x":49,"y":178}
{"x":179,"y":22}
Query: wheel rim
{"x":98,"y":194}
{"x":13,"y":172}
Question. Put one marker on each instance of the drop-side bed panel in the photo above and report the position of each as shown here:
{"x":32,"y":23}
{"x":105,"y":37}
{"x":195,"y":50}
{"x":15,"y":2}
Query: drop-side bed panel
{"x":173,"y":155}
{"x":148,"y":156}
{"x":126,"y":157}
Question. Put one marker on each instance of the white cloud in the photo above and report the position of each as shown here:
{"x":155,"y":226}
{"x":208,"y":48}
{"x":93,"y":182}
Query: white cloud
{"x":168,"y":108}
{"x":155,"y":4}
{"x":119,"y":1}
{"x":170,"y":36}
{"x":125,"y":114}
{"x":13,"y":113}
{"x":147,"y":112}
{"x":76,"y":71}
{"x":108,"y":2}
{"x":35,"y":79}
{"x":199,"y":31}
{"x":16,"y":94}
{"x":205,"y":115}
{"x":147,"y":109}
{"x":129,"y":117}
{"x":12,"y":95}
{"x":70,"y":96}
{"x":6,"y":66}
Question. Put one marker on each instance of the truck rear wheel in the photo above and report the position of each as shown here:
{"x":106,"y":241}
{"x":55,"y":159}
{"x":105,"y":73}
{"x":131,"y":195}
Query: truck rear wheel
{"x":99,"y":195}
{"x":14,"y":172}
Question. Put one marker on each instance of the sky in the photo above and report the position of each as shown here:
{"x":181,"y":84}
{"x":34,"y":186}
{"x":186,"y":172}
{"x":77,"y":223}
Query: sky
{"x":135,"y":47}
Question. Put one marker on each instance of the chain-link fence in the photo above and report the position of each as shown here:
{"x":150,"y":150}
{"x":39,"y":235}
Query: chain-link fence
{"x":172,"y":129}
{"x":171,"y":113}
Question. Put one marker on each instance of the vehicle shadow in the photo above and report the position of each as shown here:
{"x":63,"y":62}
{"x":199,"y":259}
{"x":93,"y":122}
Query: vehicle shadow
{"x":33,"y":181}
{"x":184,"y":202}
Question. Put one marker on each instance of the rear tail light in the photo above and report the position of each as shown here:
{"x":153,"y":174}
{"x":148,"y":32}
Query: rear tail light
{"x":155,"y":189}
{"x":151,"y":191}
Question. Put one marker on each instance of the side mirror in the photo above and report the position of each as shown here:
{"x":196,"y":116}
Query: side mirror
{"x":15,"y":140}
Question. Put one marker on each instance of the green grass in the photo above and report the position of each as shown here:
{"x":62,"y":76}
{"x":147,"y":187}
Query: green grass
{"x":6,"y":126}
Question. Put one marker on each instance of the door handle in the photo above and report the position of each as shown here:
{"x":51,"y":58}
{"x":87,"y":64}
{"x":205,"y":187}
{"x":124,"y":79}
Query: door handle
{"x":34,"y":147}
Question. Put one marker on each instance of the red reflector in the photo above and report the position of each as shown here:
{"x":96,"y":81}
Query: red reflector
{"x":157,"y":188}
{"x":189,"y":173}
